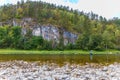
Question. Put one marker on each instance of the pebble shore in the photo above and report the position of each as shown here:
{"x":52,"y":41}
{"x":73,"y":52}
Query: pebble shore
{"x":22,"y":70}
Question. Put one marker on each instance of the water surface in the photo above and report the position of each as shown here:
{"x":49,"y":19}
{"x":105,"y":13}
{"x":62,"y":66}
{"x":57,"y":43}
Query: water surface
{"x":62,"y":58}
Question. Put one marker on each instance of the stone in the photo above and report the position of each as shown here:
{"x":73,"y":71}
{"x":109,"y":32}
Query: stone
{"x":29,"y":71}
{"x":105,"y":69}
{"x":104,"y":78}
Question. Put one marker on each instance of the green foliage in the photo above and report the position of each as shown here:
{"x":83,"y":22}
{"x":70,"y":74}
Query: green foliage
{"x":70,"y":46}
{"x":95,"y":32}
{"x":4,"y":38}
{"x":95,"y":42}
{"x":82,"y":42}
{"x":19,"y":13}
{"x":15,"y":35}
{"x":37,"y":42}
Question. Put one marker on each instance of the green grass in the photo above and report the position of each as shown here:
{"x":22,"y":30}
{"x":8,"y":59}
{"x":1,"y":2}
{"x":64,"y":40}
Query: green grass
{"x":13,"y":51}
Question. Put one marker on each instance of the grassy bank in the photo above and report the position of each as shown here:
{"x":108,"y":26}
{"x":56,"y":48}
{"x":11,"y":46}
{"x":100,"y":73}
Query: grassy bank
{"x":12,"y":51}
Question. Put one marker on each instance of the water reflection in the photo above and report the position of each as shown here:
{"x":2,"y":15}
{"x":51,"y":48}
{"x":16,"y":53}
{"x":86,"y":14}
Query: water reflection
{"x":62,"y":58}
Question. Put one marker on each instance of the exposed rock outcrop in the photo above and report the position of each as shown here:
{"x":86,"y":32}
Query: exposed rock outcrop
{"x":48,"y":32}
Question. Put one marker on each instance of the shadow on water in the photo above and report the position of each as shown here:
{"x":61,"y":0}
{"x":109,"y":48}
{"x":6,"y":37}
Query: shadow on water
{"x":62,"y":58}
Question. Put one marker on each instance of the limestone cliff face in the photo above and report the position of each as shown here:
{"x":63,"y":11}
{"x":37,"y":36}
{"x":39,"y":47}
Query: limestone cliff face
{"x":48,"y":32}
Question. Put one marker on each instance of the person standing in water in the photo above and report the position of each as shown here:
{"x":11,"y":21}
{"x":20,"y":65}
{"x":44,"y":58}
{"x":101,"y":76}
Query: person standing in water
{"x":91,"y":54}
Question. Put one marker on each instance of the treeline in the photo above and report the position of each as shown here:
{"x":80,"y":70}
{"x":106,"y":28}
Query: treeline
{"x":12,"y":37}
{"x":94,"y":32}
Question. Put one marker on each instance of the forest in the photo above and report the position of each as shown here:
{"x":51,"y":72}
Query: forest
{"x":94,"y":32}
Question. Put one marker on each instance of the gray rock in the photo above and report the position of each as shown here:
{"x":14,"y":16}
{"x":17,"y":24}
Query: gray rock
{"x":105,"y":69}
{"x":21,"y":70}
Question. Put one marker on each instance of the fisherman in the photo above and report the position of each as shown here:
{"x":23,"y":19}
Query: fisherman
{"x":91,"y":54}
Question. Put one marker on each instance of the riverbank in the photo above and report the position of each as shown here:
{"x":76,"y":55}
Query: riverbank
{"x":13,"y":51}
{"x":22,"y":70}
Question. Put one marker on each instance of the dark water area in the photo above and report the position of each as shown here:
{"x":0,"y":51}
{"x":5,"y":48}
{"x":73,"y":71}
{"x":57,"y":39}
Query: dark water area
{"x":62,"y":58}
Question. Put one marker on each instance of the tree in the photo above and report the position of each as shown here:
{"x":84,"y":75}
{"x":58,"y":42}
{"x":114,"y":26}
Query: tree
{"x":15,"y":34}
{"x":19,"y":13}
{"x":37,"y":42}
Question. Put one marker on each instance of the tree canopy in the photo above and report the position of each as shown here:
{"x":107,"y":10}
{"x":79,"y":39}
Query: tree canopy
{"x":94,"y":31}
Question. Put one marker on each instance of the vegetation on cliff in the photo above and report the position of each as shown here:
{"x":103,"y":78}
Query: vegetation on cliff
{"x":95,"y":32}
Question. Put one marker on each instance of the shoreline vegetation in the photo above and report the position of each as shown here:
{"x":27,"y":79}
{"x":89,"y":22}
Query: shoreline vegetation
{"x":14,"y":51}
{"x":21,"y":27}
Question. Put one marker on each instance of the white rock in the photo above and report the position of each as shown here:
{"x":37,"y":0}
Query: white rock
{"x":105,"y":69}
{"x":13,"y":70}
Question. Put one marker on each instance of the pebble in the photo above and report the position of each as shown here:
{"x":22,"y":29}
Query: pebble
{"x":22,"y":70}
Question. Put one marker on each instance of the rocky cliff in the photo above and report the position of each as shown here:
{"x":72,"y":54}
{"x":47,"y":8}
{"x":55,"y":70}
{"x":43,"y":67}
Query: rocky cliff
{"x":48,"y":31}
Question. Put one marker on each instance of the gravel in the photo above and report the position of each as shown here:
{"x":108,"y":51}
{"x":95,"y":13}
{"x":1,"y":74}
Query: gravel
{"x":22,"y":70}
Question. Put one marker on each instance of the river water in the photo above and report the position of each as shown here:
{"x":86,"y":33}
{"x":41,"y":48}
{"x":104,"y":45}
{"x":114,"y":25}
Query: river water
{"x":62,"y":58}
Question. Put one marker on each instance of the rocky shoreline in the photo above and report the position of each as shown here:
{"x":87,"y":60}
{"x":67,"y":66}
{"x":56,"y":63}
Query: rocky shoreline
{"x":22,"y":70}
